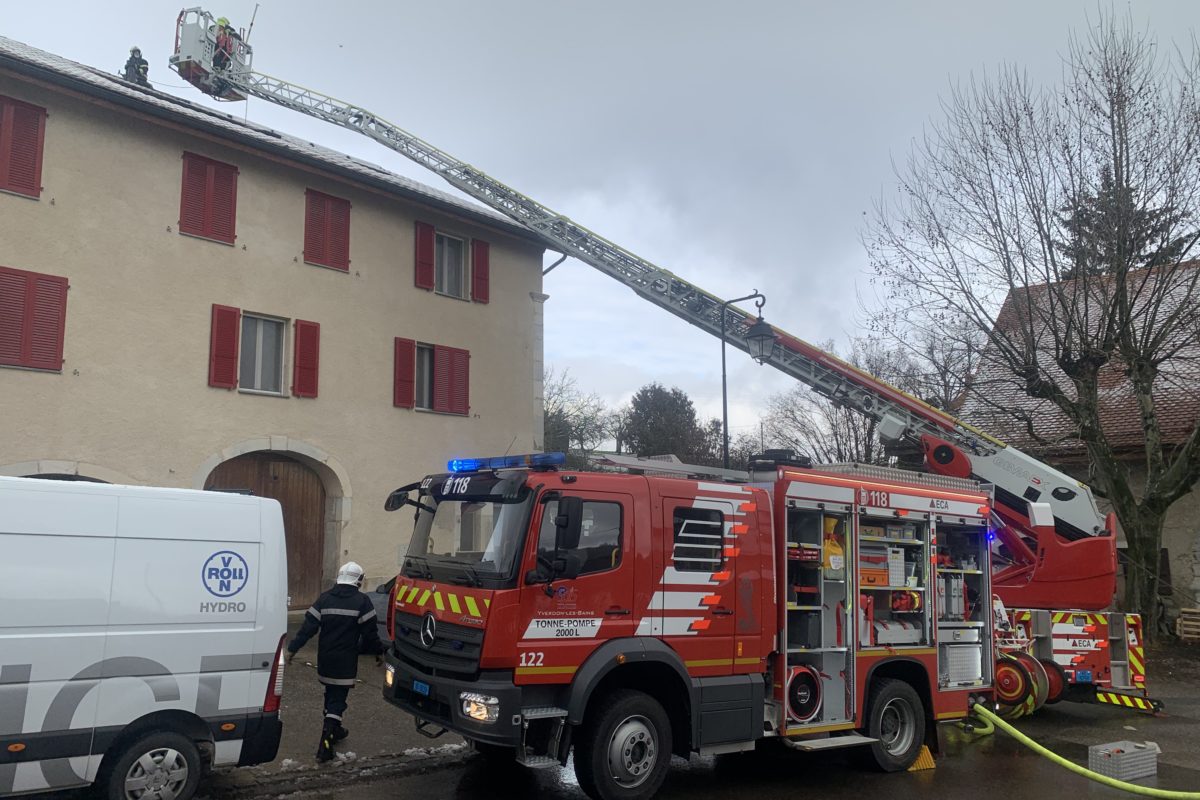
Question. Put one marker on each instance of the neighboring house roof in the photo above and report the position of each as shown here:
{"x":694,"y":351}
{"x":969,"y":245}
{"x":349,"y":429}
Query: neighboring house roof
{"x":26,"y":60}
{"x":998,"y":404}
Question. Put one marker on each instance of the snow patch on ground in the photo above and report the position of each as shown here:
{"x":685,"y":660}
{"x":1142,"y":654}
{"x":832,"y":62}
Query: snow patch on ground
{"x":427,"y":752}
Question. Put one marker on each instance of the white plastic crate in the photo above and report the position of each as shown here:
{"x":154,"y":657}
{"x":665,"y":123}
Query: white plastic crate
{"x":1124,"y":760}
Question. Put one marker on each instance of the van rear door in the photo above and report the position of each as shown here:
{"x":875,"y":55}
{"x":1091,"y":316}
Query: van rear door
{"x":56,"y":574}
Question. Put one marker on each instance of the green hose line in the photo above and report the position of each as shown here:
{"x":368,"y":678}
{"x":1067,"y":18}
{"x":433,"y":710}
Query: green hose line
{"x":1146,"y":791}
{"x":977,"y":727}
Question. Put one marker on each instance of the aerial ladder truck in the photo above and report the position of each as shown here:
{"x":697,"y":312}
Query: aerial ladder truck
{"x":1055,"y":573}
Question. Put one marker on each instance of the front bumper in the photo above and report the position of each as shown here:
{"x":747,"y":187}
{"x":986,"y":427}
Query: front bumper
{"x":442,"y":706}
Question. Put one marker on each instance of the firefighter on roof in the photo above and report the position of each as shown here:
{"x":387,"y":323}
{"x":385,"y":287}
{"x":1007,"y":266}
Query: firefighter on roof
{"x":341,"y":616}
{"x":136,"y":68}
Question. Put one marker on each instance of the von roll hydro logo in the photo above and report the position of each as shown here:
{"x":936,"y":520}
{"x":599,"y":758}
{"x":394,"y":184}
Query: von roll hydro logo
{"x":225,"y":574}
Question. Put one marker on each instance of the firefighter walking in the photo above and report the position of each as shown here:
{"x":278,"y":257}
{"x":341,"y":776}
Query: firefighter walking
{"x":341,"y":616}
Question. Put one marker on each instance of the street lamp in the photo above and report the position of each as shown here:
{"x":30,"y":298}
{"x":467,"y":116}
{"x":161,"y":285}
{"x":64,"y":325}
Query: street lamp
{"x":760,"y":342}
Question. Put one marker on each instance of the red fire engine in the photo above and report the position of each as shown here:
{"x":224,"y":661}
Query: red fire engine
{"x":627,"y":617}
{"x":1054,"y":552}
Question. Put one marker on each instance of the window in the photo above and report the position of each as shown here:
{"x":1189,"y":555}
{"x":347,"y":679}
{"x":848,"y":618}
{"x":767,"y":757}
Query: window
{"x":431,"y":377}
{"x":326,"y":230}
{"x":22,"y":134}
{"x":450,"y":267}
{"x":441,"y":264}
{"x":699,"y":539}
{"x":261,"y":355}
{"x":424,"y":381}
{"x":208,"y":200}
{"x":33,"y":315}
{"x":600,"y":540}
{"x":246,"y":351}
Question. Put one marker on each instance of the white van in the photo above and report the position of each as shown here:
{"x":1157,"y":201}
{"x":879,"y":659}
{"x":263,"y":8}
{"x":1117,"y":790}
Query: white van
{"x":141,"y":636}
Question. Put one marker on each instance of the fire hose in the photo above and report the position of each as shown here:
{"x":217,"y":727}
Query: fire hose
{"x":1146,"y":791}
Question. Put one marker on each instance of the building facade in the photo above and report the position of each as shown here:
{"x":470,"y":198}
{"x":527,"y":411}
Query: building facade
{"x":189,"y":300}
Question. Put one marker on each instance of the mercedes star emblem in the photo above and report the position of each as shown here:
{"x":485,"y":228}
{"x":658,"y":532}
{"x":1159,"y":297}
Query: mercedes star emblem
{"x":428,"y":631}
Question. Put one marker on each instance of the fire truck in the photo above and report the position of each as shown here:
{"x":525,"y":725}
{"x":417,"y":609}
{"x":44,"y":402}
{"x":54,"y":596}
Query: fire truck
{"x":1053,"y":552}
{"x":677,"y":609}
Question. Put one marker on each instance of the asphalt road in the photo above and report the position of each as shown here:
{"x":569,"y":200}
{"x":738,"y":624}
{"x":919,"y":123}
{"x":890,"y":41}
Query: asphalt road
{"x":985,"y":767}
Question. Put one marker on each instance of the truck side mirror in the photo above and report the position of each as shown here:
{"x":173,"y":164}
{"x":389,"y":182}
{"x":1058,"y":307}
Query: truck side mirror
{"x":395,"y":500}
{"x":568,"y":524}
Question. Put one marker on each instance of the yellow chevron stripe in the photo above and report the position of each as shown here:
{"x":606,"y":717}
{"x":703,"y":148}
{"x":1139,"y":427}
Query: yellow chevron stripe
{"x":1127,"y":699}
{"x":1103,"y":698}
{"x":472,"y":608}
{"x":1135,"y":661}
{"x":454,"y":606}
{"x":437,"y":601}
{"x":412,"y":594}
{"x":1059,"y":616}
{"x":487,"y":602}
{"x":425,"y":598}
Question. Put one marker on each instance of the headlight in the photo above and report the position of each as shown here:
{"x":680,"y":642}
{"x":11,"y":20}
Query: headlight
{"x":480,"y":707}
{"x":389,"y":677}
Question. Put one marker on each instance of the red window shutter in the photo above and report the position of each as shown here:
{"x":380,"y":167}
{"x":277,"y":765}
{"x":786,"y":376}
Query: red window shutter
{"x":460,"y":381}
{"x":22,"y":138}
{"x":424,"y":256}
{"x":327,"y":230}
{"x":405,"y":377}
{"x":306,"y":359}
{"x":47,"y":310}
{"x":33,"y":314}
{"x":208,"y":199}
{"x":441,"y":378}
{"x":480,"y":271}
{"x":316,"y":240}
{"x":193,"y":195}
{"x":223,"y":202}
{"x":223,"y":347}
{"x":12,"y":315}
{"x":339,"y":233}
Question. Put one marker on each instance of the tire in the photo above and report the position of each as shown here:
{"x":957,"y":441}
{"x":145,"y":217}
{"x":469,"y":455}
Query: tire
{"x":157,"y":766}
{"x":623,"y":750}
{"x":896,"y":717}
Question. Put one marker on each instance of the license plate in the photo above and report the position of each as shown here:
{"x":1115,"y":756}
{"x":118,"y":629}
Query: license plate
{"x":1083,"y":676}
{"x":421,"y":688}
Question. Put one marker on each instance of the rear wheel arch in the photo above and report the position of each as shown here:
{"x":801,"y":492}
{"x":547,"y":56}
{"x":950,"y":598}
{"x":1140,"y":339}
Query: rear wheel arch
{"x":175,"y":720}
{"x":915,"y":674}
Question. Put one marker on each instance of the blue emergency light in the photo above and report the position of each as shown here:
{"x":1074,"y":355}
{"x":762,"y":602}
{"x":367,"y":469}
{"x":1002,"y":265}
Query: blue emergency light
{"x":506,"y":462}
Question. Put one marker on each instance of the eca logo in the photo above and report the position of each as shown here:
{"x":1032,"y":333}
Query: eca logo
{"x":225,"y":574}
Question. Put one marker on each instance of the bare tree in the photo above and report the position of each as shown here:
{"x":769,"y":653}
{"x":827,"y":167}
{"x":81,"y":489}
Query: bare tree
{"x":1058,"y":222}
{"x":575,"y":422}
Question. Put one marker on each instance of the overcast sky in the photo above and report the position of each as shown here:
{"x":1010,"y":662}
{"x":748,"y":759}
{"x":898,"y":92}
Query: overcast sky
{"x":737,"y":144}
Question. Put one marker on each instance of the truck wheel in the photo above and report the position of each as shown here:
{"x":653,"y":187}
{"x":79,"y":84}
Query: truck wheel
{"x":158,"y":766}
{"x":624,"y":748}
{"x":896,"y":718}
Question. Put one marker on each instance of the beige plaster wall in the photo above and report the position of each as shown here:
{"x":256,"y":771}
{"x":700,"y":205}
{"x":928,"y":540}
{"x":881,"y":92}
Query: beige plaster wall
{"x":132,"y":401}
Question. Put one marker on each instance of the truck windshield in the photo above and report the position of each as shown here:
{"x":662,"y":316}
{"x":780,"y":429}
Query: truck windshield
{"x":470,"y":528}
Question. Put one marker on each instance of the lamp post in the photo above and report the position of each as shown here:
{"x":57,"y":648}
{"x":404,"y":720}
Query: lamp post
{"x":760,"y":341}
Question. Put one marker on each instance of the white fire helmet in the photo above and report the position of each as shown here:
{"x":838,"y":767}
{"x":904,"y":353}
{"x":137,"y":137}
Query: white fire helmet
{"x":350,"y":573}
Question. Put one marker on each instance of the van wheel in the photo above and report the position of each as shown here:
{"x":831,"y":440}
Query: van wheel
{"x":158,"y":766}
{"x":896,"y":718}
{"x":624,"y":749}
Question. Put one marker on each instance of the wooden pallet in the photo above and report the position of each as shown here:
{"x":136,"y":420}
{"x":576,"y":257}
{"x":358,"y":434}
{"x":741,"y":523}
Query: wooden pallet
{"x":1187,"y":627}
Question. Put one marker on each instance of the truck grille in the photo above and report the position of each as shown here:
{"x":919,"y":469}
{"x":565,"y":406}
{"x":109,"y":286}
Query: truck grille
{"x":455,"y":650}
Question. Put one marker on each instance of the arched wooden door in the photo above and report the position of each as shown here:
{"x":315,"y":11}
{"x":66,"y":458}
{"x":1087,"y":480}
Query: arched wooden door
{"x":300,"y":491}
